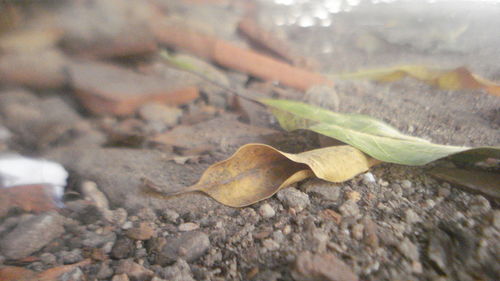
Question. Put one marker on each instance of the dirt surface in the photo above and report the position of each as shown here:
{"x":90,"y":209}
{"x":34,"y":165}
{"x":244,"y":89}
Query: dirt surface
{"x":391,"y":223}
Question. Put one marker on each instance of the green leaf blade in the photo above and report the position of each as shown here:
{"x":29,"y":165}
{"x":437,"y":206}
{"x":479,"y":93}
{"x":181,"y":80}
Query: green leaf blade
{"x":368,"y":134}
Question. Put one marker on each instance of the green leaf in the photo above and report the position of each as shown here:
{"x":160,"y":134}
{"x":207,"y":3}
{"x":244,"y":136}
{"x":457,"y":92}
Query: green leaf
{"x":372,"y":136}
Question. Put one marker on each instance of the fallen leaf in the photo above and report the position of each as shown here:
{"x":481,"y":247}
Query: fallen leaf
{"x":475,"y":181}
{"x":455,"y":79}
{"x":372,"y":136}
{"x":257,"y":171}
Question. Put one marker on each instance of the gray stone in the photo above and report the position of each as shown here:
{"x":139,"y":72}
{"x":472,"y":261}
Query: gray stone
{"x":409,"y":250}
{"x":266,"y":211}
{"x":478,"y":205}
{"x":188,"y":226}
{"x":94,"y":240}
{"x":350,"y":209}
{"x":406,"y":184}
{"x":48,"y":259}
{"x":325,"y":190}
{"x":92,"y":193}
{"x":325,"y":267}
{"x":411,"y":217}
{"x":73,"y":275}
{"x":69,"y":257}
{"x":496,"y":219}
{"x":180,"y":271}
{"x":31,"y":235}
{"x":118,"y":174}
{"x":170,"y":215}
{"x":189,"y":246}
{"x":368,"y":178}
{"x":105,"y":271}
{"x":156,"y":112}
{"x":123,"y":248}
{"x":270,"y":245}
{"x":293,"y":198}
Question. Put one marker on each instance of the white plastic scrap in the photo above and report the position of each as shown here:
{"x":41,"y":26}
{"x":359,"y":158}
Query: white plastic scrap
{"x":19,"y":170}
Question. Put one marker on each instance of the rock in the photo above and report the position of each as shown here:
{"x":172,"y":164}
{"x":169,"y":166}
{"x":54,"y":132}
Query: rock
{"x":409,"y":250}
{"x":170,"y":215}
{"x":73,"y":275}
{"x":496,"y":219}
{"x":38,"y":121}
{"x":368,"y":178}
{"x":116,"y":217}
{"x":188,"y":226}
{"x":123,"y":248}
{"x":266,"y":211}
{"x":126,"y":32}
{"x":270,"y":244}
{"x":83,"y":211}
{"x":167,"y":116}
{"x":92,"y":193}
{"x":94,"y":240}
{"x":48,"y":259}
{"x":406,"y":184}
{"x":223,"y":131}
{"x":146,"y":214}
{"x":325,"y":190}
{"x":189,"y":246}
{"x":357,"y":231}
{"x":478,"y":205}
{"x":31,"y":235}
{"x":370,"y":234}
{"x":411,"y":217}
{"x":324,"y":267}
{"x":293,"y":198}
{"x":350,"y":209}
{"x":134,"y":271}
{"x":110,"y":89}
{"x":70,"y":257}
{"x":120,"y":277}
{"x":41,"y":69}
{"x":118,"y":173}
{"x":142,"y":231}
{"x":105,"y":271}
{"x":180,"y":271}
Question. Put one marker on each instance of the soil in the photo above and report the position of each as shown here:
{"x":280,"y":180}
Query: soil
{"x":392,"y":223}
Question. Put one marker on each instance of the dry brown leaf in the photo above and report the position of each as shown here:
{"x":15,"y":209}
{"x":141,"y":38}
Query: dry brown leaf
{"x":455,"y":79}
{"x":476,"y":181}
{"x":257,"y":171}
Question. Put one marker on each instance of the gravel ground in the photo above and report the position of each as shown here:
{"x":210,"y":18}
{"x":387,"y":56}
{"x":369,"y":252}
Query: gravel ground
{"x":391,"y":223}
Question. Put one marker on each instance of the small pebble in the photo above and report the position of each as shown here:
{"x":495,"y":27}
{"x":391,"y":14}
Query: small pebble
{"x":411,"y":217}
{"x":188,"y":226}
{"x":293,"y":198}
{"x":496,"y":219}
{"x":266,"y":211}
{"x":357,"y":231}
{"x":349,"y":209}
{"x":354,"y":196}
{"x":270,"y":245}
{"x":170,"y":215}
{"x":479,"y":205}
{"x":143,"y":231}
{"x":406,"y":184}
{"x":127,"y":225}
{"x":368,"y":178}
{"x":409,"y":250}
